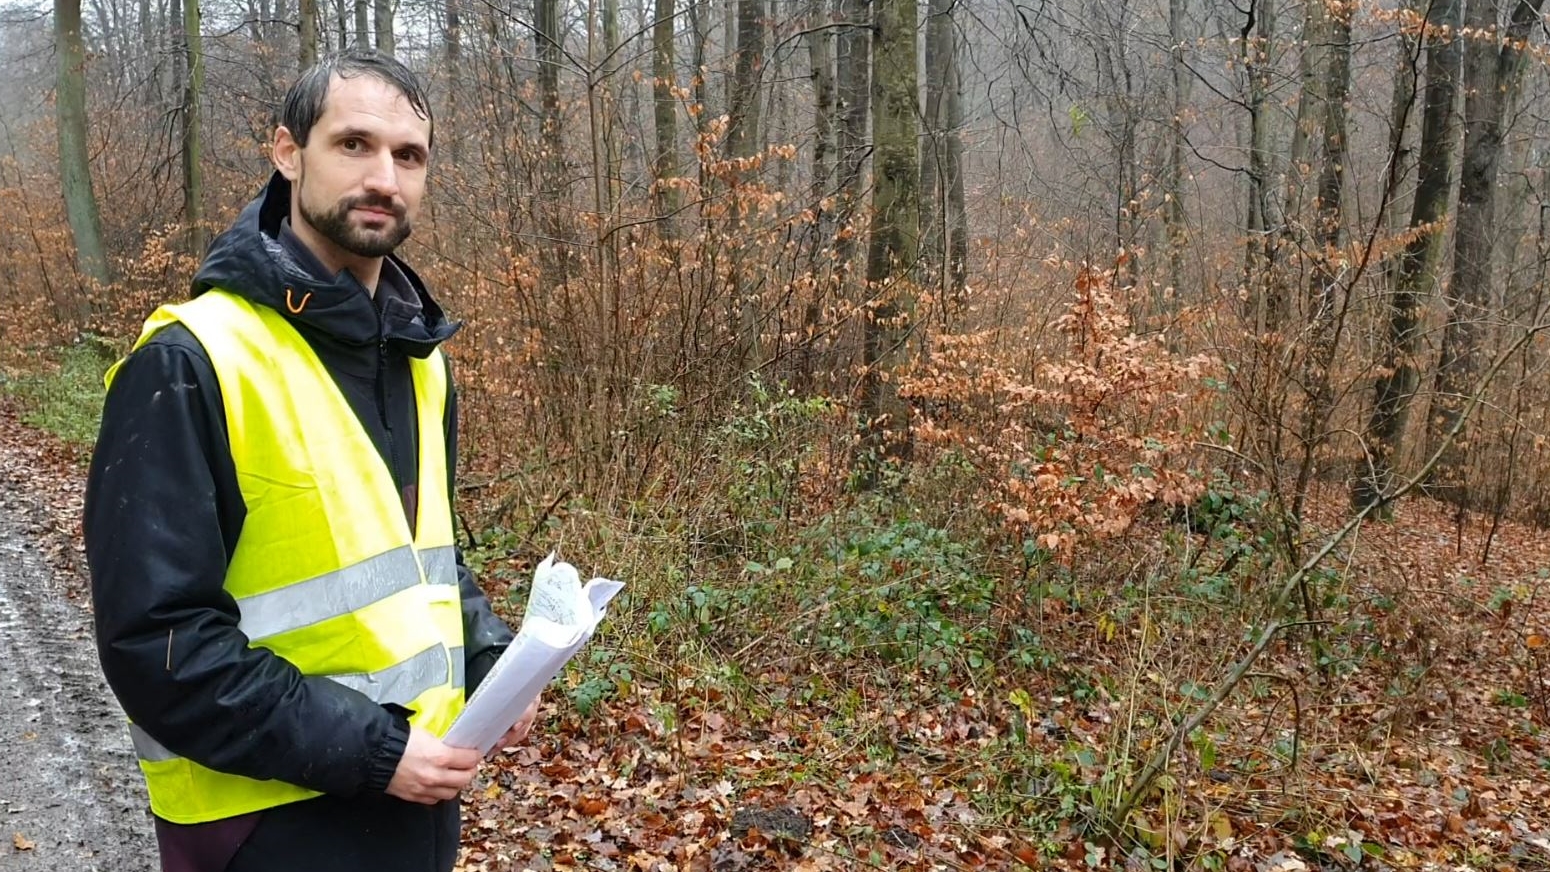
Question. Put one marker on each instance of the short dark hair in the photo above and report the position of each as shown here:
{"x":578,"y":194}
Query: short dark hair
{"x":304,"y":102}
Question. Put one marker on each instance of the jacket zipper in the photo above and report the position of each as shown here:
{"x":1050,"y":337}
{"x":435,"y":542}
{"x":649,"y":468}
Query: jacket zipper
{"x":382,"y":412}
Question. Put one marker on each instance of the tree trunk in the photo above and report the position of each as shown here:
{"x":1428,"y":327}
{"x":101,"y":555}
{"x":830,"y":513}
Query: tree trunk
{"x":74,"y":161}
{"x":308,"y":15}
{"x":854,"y":86}
{"x":664,"y":78}
{"x":944,"y":244}
{"x":743,"y":101}
{"x":1311,"y":66}
{"x":1490,"y":77}
{"x":384,"y":25}
{"x":699,"y":22}
{"x":454,"y":55}
{"x":933,"y":174}
{"x":610,"y":115}
{"x":889,"y":320}
{"x":148,"y":52}
{"x":193,"y":174}
{"x":820,"y":53}
{"x":957,"y":210}
{"x":742,"y":141}
{"x":1257,"y":36}
{"x":362,"y":24}
{"x":1326,"y":309}
{"x":546,"y":25}
{"x":1413,"y":276}
{"x":1173,"y":210}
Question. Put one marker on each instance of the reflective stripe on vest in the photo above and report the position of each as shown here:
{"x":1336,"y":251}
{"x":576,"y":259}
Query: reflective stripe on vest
{"x":342,"y":591}
{"x":326,"y":572}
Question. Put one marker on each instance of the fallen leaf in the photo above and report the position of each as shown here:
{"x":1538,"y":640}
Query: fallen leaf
{"x":22,"y":843}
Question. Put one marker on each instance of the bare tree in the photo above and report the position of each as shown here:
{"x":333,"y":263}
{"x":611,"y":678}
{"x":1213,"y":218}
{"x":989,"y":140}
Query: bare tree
{"x":1326,"y":308}
{"x":308,"y":14}
{"x":853,"y":85}
{"x":942,"y":220}
{"x":889,"y":321}
{"x":74,"y":166}
{"x":384,"y":25}
{"x":193,"y":135}
{"x":1492,"y":74}
{"x":1173,"y":178}
{"x":1414,"y":274}
{"x":664,"y":79}
{"x":1255,"y":41}
{"x":743,"y":107}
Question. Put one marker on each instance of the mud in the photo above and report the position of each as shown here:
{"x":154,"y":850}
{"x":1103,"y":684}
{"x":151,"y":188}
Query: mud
{"x":70,"y":793}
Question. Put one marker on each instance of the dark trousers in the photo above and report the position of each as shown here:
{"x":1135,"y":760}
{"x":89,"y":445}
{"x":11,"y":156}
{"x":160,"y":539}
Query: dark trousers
{"x":325,"y":834}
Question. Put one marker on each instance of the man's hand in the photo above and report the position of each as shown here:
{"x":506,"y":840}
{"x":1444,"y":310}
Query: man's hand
{"x":518,"y":732}
{"x":431,"y":771}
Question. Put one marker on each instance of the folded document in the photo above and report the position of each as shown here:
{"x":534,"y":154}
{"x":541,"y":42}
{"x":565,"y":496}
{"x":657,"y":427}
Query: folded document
{"x":561,"y":615}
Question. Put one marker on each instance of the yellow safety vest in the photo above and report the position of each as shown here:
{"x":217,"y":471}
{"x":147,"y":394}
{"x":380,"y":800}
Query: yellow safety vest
{"x":326,"y":572}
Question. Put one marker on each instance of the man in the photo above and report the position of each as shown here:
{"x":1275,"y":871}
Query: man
{"x":280,"y":606}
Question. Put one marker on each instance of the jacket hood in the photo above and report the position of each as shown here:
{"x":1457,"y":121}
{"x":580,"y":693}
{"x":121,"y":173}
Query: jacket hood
{"x":258,"y":258}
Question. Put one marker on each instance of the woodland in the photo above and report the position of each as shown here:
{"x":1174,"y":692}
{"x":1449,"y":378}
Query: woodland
{"x":1089,"y":434}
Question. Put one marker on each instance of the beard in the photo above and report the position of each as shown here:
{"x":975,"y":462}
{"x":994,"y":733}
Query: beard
{"x":336,"y":225}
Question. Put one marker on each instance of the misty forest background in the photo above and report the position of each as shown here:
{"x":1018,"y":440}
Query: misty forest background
{"x":1095,"y":433}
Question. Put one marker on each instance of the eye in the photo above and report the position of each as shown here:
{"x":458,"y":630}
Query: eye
{"x":410,"y":156}
{"x":351,"y":144}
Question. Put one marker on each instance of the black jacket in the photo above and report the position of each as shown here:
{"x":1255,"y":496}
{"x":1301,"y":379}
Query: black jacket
{"x":163,"y":513}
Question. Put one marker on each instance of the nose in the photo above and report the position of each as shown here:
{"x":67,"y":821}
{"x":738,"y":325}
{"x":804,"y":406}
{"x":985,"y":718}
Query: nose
{"x":382,"y":176}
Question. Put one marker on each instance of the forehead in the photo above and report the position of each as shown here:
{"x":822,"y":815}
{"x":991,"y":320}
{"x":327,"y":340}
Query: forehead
{"x":369,"y":105}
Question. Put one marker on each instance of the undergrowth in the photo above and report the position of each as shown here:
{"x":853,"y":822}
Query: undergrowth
{"x":62,"y":393}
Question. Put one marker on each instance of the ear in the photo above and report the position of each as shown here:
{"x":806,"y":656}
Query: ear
{"x":286,"y":154}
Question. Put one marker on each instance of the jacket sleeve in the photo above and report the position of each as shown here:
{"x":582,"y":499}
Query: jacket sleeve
{"x":485,"y":635}
{"x":162,"y":516}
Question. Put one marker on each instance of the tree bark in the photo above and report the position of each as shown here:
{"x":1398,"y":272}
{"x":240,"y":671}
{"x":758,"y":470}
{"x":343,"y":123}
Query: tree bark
{"x":889,"y":321}
{"x":1413,"y":275}
{"x":665,"y":110}
{"x":193,"y":136}
{"x":957,"y":208}
{"x":820,"y":53}
{"x":74,"y":162}
{"x":308,"y":47}
{"x":1491,"y":75}
{"x":1257,"y":35}
{"x":933,"y":175}
{"x":546,"y":24}
{"x":384,"y":26}
{"x":1325,"y":305}
{"x":1173,"y":211}
{"x":454,"y":55}
{"x":854,"y":87}
{"x":943,"y":223}
{"x":743,"y":107}
{"x":362,"y":24}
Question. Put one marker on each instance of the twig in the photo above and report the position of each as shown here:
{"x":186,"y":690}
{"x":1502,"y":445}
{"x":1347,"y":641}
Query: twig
{"x":1159,"y":760}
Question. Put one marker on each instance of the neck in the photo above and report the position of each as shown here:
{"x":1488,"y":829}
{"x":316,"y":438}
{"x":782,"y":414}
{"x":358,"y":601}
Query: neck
{"x":367,"y":270}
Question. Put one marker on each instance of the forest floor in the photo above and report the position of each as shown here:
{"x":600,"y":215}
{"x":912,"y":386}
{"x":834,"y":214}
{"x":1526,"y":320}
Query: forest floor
{"x":71,"y":797}
{"x":1440,"y":762}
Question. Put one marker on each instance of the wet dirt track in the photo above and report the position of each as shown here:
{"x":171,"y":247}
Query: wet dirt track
{"x":70,"y":793}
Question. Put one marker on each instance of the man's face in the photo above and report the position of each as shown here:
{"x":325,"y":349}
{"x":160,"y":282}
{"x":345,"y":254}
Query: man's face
{"x":359,"y":179}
